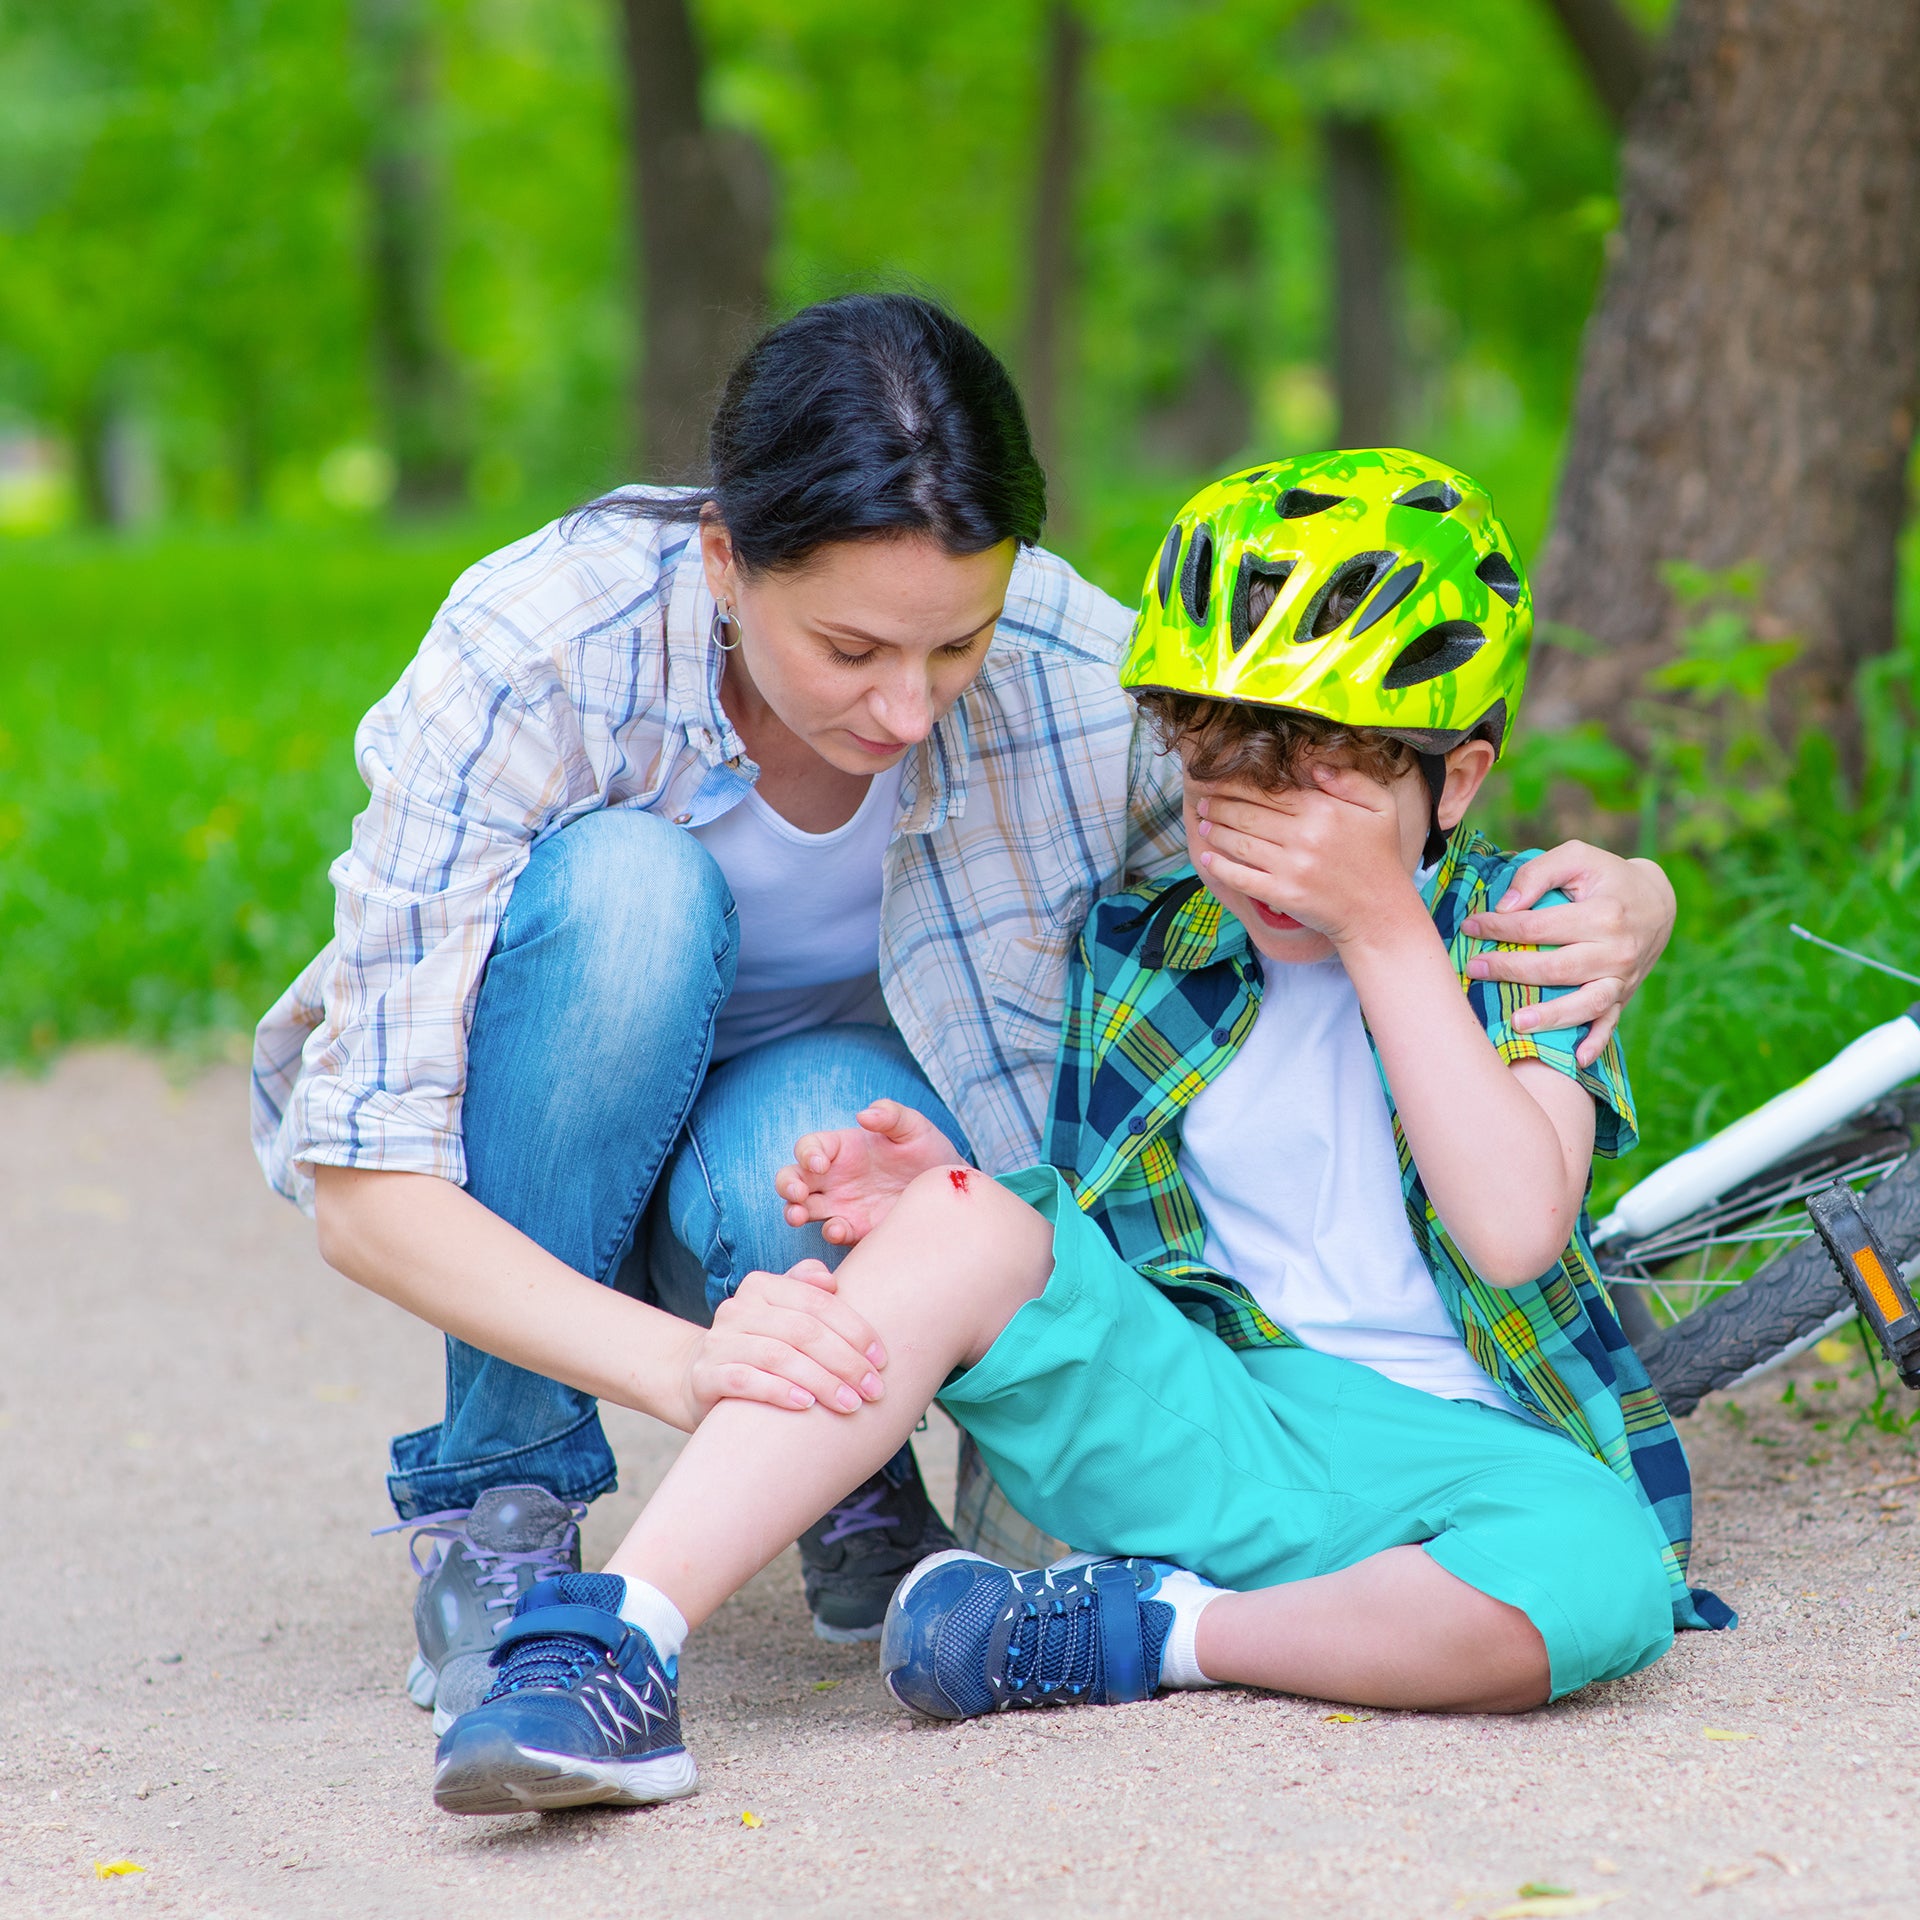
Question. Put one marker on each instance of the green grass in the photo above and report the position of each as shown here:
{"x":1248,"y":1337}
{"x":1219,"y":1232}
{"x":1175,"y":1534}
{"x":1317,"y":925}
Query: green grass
{"x":176,"y":766}
{"x":176,"y":773}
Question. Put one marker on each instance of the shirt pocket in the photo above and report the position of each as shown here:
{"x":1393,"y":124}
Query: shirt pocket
{"x":1026,"y":980}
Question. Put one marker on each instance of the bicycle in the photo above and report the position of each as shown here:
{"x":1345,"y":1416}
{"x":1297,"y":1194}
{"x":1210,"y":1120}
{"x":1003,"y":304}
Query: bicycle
{"x":1718,"y":1270}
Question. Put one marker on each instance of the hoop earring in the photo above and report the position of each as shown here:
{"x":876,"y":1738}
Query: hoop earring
{"x":718,"y":634}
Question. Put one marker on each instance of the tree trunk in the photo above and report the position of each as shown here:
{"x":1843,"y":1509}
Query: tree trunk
{"x":417,"y":377}
{"x":1366,"y":290}
{"x":1051,"y":263}
{"x":1749,"y":380}
{"x":703,"y":198}
{"x":1611,"y":48}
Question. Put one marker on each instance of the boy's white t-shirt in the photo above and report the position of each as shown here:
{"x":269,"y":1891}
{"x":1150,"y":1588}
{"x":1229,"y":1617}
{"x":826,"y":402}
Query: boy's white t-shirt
{"x":809,"y":916}
{"x":1291,"y":1160}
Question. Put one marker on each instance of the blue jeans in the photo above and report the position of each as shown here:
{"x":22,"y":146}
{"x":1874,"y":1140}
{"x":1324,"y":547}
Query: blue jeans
{"x":594,"y":1125}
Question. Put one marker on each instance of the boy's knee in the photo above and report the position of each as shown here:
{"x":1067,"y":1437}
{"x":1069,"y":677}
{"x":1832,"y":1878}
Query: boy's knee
{"x":1612,"y":1582}
{"x":962,"y":1207}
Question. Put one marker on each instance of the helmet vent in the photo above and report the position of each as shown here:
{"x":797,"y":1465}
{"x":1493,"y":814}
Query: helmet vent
{"x":1497,"y":571}
{"x":1440,"y":650}
{"x":1340,"y":597}
{"x":1393,"y":590}
{"x":1196,"y":580}
{"x":1255,"y":588}
{"x":1431,"y":496}
{"x":1298,"y":502}
{"x":1169,"y":559}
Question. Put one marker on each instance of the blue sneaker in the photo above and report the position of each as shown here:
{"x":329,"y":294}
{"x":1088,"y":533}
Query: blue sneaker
{"x":964,"y":1636}
{"x":584,"y":1712}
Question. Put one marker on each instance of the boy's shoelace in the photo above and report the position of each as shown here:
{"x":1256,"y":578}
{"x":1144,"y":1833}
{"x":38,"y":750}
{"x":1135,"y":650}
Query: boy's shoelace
{"x":557,"y":1660}
{"x":1055,"y":1644}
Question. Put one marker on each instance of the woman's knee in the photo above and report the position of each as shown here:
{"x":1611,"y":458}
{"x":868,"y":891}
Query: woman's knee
{"x":626,"y":898}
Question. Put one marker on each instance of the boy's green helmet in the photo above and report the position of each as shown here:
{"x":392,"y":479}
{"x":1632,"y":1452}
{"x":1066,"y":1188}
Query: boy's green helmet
{"x":1375,"y":589}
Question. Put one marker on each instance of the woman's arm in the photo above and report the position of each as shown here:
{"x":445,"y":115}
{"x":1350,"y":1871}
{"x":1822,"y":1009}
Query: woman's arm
{"x":432,"y":1248}
{"x":1604,"y":942}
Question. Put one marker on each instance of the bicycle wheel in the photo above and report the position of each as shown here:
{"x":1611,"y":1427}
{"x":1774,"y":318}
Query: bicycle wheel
{"x":1740,"y":1286}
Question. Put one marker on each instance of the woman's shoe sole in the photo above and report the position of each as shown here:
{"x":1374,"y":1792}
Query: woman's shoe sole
{"x":504,"y":1777}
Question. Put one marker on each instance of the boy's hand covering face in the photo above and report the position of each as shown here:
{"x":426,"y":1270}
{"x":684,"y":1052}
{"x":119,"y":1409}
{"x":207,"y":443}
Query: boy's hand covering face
{"x":1331,"y":859}
{"x":849,"y":1179}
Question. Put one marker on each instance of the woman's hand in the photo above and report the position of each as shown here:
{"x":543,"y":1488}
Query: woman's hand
{"x":785,"y":1339}
{"x":849,"y":1179}
{"x":1618,"y":918}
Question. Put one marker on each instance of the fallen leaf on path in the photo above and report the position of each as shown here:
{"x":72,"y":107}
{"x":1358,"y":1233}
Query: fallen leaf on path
{"x":1544,"y":1905}
{"x":1780,"y":1860}
{"x":1723,"y":1733}
{"x":1545,"y":1890}
{"x":825,"y":1686}
{"x":1339,"y":1719}
{"x":751,"y":1819}
{"x":115,"y":1869}
{"x":1727,"y":1877}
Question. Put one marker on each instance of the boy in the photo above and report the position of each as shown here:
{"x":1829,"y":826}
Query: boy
{"x":1299,"y":1331}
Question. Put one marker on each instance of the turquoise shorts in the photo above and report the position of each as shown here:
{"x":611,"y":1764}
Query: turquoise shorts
{"x":1120,"y":1426}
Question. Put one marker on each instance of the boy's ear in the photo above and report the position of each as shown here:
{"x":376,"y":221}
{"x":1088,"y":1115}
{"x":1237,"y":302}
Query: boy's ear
{"x":1467,"y":768}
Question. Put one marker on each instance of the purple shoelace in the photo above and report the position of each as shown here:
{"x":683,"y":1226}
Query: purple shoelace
{"x":856,"y":1516}
{"x":497,"y":1567}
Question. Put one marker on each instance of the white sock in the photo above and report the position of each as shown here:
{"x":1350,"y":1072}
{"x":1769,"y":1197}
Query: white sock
{"x":1189,"y":1596}
{"x":656,"y":1616}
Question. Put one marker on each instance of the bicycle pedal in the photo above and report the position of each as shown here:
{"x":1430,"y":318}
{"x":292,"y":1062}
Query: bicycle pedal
{"x":1872,"y":1275}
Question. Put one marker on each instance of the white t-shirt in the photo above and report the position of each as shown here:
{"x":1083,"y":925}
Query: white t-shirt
{"x":1291,"y":1160}
{"x":809,"y":916}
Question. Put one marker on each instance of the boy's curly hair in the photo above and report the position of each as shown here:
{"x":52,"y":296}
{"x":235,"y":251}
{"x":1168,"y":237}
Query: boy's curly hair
{"x":1268,"y":747}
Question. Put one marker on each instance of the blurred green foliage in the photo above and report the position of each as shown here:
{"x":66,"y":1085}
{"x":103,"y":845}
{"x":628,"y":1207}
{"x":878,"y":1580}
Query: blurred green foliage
{"x":184,"y":224}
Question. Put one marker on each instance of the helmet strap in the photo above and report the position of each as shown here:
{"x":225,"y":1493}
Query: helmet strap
{"x":1434,"y":766}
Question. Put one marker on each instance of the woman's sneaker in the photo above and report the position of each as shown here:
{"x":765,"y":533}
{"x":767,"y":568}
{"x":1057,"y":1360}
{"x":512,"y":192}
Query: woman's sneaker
{"x":478,"y":1562}
{"x":582,"y":1712}
{"x":964,"y":1636}
{"x":852,"y":1560}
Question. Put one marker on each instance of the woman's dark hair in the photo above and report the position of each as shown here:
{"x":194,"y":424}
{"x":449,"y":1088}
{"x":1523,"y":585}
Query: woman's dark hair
{"x":870,"y":415}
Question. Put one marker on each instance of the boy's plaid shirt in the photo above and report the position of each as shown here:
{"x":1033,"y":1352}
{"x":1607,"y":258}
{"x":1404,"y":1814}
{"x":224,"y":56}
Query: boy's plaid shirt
{"x":1163,"y":992}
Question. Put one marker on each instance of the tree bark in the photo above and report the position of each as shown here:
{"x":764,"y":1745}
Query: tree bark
{"x":703,"y":200}
{"x":1749,"y":380}
{"x":1614,"y":52}
{"x":418,"y":379}
{"x":1051,"y":261}
{"x":1366,"y":281}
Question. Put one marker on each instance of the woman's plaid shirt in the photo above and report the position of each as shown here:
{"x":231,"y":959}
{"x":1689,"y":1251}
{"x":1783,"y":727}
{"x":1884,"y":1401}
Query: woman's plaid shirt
{"x":1164,"y":991}
{"x":575,"y":670}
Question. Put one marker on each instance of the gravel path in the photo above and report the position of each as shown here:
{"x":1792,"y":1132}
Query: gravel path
{"x":200,"y":1648}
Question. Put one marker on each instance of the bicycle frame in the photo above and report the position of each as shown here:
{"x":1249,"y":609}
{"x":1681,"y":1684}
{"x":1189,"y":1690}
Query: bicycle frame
{"x":1873,"y":1065}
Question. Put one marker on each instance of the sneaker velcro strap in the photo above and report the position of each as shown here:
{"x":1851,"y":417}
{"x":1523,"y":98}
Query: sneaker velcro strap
{"x":1122,"y":1664}
{"x":586,"y":1623}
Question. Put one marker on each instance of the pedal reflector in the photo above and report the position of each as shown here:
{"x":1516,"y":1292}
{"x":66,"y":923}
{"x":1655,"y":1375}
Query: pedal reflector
{"x":1872,"y":1276}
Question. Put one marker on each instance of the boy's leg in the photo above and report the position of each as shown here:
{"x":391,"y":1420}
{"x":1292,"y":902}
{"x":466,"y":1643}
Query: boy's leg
{"x":1397,"y":1630}
{"x":938,"y":1280}
{"x":585,"y":1707}
{"x":717,"y":1218}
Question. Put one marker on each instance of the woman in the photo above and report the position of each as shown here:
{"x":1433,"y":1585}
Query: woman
{"x":701,"y":819}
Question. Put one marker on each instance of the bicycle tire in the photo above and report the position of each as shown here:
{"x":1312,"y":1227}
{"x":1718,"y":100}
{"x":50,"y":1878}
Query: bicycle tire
{"x":1792,"y":1301}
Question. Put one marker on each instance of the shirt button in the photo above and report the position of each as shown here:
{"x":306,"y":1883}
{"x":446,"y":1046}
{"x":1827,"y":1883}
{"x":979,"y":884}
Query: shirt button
{"x":1221,"y":1035}
{"x":681,"y":819}
{"x":1136,"y":1125}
